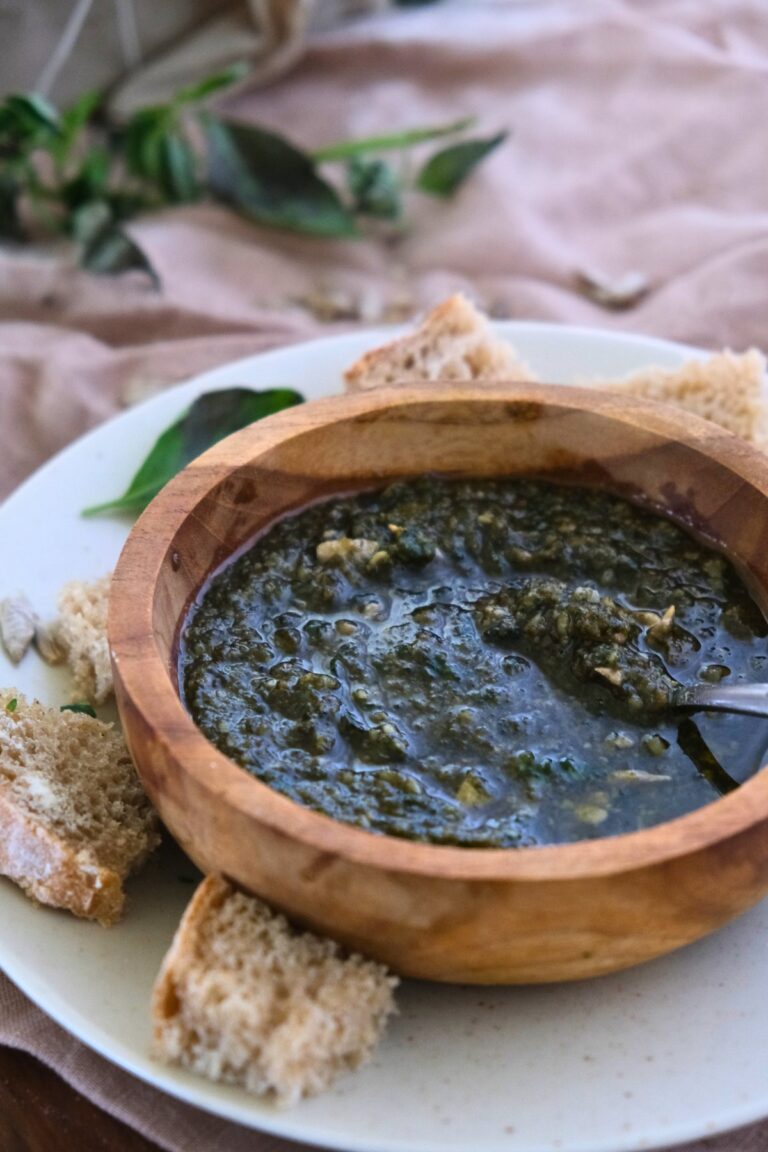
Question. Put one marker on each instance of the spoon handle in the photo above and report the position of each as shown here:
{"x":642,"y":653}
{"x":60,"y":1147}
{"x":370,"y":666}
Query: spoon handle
{"x":751,"y":699}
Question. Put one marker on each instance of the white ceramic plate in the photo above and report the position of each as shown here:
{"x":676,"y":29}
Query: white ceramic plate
{"x":668,"y":1052}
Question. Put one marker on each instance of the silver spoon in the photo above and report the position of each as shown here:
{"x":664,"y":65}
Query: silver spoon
{"x":751,"y":699}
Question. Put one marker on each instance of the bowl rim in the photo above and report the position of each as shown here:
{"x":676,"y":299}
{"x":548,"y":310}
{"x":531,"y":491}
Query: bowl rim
{"x":142,"y":673}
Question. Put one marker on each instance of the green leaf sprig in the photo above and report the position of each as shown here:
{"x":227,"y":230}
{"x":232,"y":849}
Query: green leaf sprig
{"x":73,"y":173}
{"x":445,"y":172}
{"x":82,"y":707}
{"x":210,"y":418}
{"x":272,"y":182}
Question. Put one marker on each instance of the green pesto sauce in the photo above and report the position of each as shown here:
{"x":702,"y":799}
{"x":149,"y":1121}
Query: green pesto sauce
{"x":482,"y":663}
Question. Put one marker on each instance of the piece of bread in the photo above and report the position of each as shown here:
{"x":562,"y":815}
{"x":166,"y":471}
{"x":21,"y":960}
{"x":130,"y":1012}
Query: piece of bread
{"x":74,"y":820}
{"x":456,"y":342}
{"x":82,"y":632}
{"x":453,"y":342}
{"x":245,"y":998}
{"x":727,"y":388}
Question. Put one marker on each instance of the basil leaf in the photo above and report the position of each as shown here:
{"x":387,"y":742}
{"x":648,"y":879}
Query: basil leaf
{"x":157,"y":150}
{"x":211,"y":417}
{"x":114,"y":251}
{"x":27,"y":119}
{"x":89,"y":183}
{"x":272,"y":182}
{"x":125,"y":204}
{"x":165,"y":459}
{"x":64,"y":144}
{"x":89,"y":220}
{"x":81,"y":706}
{"x":218,"y":414}
{"x":178,"y":168}
{"x":215,"y":83}
{"x":374,"y":188}
{"x":392,"y":142}
{"x":145,"y":135}
{"x":447,"y":170}
{"x":142,"y":142}
{"x":10,"y":222}
{"x":78,"y":114}
{"x":105,"y":248}
{"x":36,"y":110}
{"x":155,"y":145}
{"x":12,"y":705}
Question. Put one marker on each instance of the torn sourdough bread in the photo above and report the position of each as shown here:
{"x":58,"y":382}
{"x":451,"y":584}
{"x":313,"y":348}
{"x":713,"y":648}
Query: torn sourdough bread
{"x":74,"y":819}
{"x":245,"y":998}
{"x":456,"y":342}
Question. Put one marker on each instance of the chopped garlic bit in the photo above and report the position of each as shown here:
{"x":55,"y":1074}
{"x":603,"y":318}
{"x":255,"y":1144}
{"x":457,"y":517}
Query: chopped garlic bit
{"x":591,"y":813}
{"x":471,"y":792}
{"x":612,"y":675}
{"x":649,"y":618}
{"x":638,"y":776}
{"x":655,"y":744}
{"x":662,"y":628}
{"x":620,"y":740}
{"x":347,"y":548}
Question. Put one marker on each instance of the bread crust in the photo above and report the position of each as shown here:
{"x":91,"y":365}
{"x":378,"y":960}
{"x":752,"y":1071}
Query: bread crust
{"x":208,"y":896}
{"x":74,"y":820}
{"x":48,"y":870}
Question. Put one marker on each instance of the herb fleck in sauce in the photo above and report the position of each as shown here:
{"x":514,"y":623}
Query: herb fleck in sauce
{"x":483,"y":663}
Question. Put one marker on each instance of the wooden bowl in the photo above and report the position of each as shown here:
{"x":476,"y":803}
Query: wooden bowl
{"x":525,"y":915}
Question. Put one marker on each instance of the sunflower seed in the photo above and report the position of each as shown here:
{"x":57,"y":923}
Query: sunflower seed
{"x":18,"y":621}
{"x":617,"y":293}
{"x":49,"y":644}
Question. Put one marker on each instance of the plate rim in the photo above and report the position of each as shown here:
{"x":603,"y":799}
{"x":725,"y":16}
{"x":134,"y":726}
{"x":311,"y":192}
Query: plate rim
{"x":184,"y":1086}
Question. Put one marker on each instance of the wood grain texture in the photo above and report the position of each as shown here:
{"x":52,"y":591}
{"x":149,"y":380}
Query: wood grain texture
{"x":470,"y":915}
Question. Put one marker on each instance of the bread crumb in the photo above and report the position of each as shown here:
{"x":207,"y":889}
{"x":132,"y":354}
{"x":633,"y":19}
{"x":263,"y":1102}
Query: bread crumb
{"x":82,"y":632}
{"x":244,"y":998}
{"x":74,"y":819}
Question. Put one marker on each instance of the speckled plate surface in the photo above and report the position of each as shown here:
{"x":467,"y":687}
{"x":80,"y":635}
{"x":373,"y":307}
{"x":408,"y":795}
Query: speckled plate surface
{"x":665,"y":1053}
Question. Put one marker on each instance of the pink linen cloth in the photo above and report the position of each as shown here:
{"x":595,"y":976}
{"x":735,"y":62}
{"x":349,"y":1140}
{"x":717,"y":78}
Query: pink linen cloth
{"x":639,"y":143}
